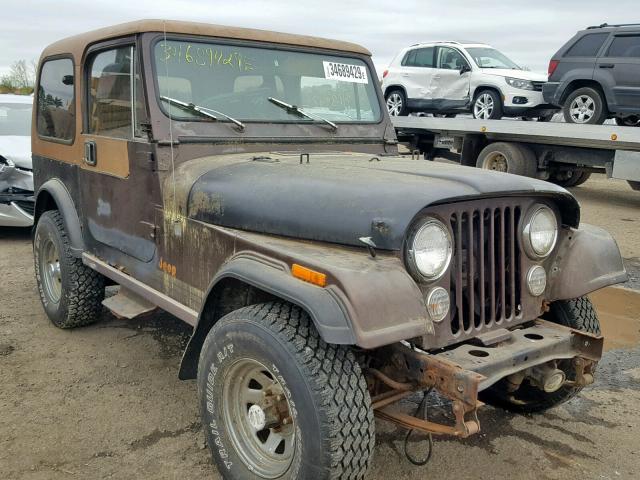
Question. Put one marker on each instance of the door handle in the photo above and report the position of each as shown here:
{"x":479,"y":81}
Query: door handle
{"x":606,"y":65}
{"x":436,"y":77}
{"x":404,"y":74}
{"x":90,"y":154}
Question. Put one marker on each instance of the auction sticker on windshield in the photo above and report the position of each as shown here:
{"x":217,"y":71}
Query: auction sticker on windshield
{"x":345,"y":72}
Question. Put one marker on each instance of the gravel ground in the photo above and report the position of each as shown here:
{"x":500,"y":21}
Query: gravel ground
{"x":105,"y":402}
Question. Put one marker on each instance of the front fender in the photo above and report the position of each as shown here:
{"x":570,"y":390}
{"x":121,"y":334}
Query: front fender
{"x":328,"y":315}
{"x":367,"y":302}
{"x":588,"y":259}
{"x":325,"y":309}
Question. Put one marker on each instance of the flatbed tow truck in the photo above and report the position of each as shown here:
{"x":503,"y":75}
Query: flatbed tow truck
{"x":562,"y":153}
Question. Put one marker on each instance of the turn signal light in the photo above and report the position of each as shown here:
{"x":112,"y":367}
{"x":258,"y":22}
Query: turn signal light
{"x":307,"y":275}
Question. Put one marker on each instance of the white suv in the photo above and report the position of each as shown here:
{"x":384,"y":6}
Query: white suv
{"x":450,"y":77}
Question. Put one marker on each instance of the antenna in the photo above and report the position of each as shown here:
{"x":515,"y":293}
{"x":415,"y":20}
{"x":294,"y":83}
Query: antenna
{"x":168,"y":94}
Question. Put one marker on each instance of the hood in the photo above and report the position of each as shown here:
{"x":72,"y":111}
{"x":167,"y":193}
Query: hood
{"x":340,"y":197}
{"x":17,"y":149}
{"x":521,"y":74}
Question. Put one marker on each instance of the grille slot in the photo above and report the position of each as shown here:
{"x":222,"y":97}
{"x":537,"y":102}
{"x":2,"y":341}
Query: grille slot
{"x":485,"y":276}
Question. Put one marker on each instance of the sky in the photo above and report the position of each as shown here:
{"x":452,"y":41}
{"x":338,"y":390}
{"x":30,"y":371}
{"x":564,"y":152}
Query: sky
{"x":528,"y":32}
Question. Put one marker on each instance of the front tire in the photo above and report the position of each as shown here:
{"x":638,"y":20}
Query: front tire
{"x":396,"y":102}
{"x":585,"y":106}
{"x":71,"y":293}
{"x":577,"y":313}
{"x":487,"y":105}
{"x":279,"y":402}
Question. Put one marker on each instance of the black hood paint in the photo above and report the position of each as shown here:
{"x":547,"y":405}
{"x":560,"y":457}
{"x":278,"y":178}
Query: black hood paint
{"x":341,"y":197}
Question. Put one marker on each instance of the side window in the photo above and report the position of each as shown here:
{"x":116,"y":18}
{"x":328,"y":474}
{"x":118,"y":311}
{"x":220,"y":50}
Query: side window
{"x":587,"y":46}
{"x":56,"y":116}
{"x":424,"y":57}
{"x":409,"y":59}
{"x":450,"y":59}
{"x":625,"y":46}
{"x":419,"y":57}
{"x":113,"y":82}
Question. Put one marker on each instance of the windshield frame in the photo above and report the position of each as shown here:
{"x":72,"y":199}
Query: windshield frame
{"x":470,"y":50}
{"x":150,"y":51}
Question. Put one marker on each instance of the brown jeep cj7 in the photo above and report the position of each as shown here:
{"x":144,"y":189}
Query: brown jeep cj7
{"x":249,"y":183}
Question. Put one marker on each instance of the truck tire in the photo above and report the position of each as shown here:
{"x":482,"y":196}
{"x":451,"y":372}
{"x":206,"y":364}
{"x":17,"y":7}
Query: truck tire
{"x":487,"y":105}
{"x":577,"y":313}
{"x":279,"y":402}
{"x":71,"y":293}
{"x":575,"y":178}
{"x":509,"y":158}
{"x":396,"y":102}
{"x":585,"y":106}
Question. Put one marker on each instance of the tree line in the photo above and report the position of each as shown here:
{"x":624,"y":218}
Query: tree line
{"x":20,"y":79}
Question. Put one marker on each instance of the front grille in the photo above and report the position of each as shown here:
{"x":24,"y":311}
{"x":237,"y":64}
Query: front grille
{"x":485,"y":277}
{"x":537,"y":86}
{"x":27,"y":205}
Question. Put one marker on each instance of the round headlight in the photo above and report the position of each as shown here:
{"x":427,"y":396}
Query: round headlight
{"x":431,"y":249}
{"x":536,"y":280}
{"x":438,"y":304}
{"x":541,"y":232}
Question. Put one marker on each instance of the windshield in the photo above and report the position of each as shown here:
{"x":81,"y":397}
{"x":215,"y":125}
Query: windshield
{"x":486,"y":57}
{"x":15,"y":119}
{"x":238,"y":81}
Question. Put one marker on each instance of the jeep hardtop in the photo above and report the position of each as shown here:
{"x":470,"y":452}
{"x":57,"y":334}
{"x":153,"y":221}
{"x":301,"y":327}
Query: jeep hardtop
{"x":249,"y":183}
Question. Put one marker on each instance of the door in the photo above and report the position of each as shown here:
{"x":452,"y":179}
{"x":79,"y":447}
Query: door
{"x":415,"y":72}
{"x":116,"y":181}
{"x":619,"y":72}
{"x":451,"y":79}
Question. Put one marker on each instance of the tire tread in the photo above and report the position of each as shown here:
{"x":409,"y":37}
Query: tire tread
{"x":84,"y":297}
{"x":337,"y":382}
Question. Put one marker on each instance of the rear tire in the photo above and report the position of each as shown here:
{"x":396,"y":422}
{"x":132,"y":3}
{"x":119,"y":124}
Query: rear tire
{"x":396,"y":102}
{"x":509,"y":158}
{"x":577,"y":313}
{"x":487,"y":105}
{"x":585,"y":106}
{"x":570,"y":178}
{"x":273,"y":348}
{"x":71,"y":293}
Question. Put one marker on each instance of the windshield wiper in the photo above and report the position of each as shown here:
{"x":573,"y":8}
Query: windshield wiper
{"x":301,"y":113}
{"x":203,"y":111}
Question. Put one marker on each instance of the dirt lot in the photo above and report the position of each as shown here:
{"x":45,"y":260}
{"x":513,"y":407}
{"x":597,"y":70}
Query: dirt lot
{"x":105,"y":402}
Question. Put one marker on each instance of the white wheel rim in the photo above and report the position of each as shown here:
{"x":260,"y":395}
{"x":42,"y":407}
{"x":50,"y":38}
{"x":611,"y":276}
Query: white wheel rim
{"x":496,"y":161}
{"x":483,"y":106}
{"x":582,"y":109}
{"x":394,"y":104}
{"x":249,"y":390}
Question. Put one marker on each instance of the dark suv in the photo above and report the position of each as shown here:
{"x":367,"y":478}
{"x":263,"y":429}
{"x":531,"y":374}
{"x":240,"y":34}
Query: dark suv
{"x":596,"y":76}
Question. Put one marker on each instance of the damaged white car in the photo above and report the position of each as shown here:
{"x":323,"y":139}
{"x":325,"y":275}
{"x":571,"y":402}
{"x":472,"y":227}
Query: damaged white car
{"x":16,"y":177}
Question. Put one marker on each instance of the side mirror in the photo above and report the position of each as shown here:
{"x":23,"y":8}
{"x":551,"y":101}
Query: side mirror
{"x":67,"y":79}
{"x":464,"y":69}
